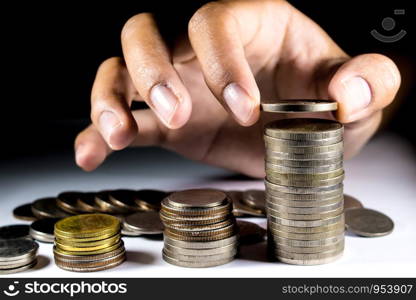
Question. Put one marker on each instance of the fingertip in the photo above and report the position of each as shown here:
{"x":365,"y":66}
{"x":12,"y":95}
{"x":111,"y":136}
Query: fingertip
{"x":88,"y":159}
{"x":244,"y":107}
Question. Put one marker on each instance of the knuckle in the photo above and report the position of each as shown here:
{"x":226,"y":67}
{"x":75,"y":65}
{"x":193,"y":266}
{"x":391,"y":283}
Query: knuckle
{"x":133,"y":23}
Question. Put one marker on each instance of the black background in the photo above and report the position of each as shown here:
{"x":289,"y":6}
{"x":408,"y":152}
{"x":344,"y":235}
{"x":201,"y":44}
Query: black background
{"x":51,"y":52}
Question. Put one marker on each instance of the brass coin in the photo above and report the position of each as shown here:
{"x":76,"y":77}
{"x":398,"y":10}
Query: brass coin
{"x":256,"y":199}
{"x":198,"y":198}
{"x":367,"y":222}
{"x":307,"y":223}
{"x":200,"y":244}
{"x":85,"y":248}
{"x":84,"y":239}
{"x":93,"y":252}
{"x":103,"y":201}
{"x":24,"y":212}
{"x":298,"y":106}
{"x":88,"y":258}
{"x":87,"y":225}
{"x":68,"y":201}
{"x":81,"y":244}
{"x":148,"y":222}
{"x":196,"y":264}
{"x":150,"y":199}
{"x":304,"y":129}
{"x":351,"y":202}
{"x":250,"y":233}
{"x":235,"y":196}
{"x":48,"y":208}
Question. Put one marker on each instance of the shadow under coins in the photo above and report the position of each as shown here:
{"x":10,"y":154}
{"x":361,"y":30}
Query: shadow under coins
{"x":254,"y":252}
{"x":43,"y":261}
{"x":139,"y":257}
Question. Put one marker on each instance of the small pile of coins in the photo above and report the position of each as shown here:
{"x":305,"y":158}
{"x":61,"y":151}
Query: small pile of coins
{"x":199,"y":230}
{"x":17,"y":255}
{"x":88,"y":242}
{"x":304,"y":190}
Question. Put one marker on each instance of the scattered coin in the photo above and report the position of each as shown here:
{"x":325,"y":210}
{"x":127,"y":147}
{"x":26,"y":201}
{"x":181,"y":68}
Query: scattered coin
{"x":250,"y":233}
{"x":150,"y":199}
{"x":351,"y":202}
{"x":24,"y":212}
{"x":103,"y":201}
{"x":48,"y":208}
{"x":15,"y":231}
{"x":86,"y":202}
{"x":256,"y":199}
{"x":124,"y":199}
{"x":147,"y":222}
{"x":42,"y":230}
{"x":17,"y":255}
{"x":367,"y":222}
{"x":297,"y":106}
{"x":68,"y":201}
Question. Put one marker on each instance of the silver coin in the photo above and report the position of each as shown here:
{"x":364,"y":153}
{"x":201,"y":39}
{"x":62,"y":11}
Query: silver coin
{"x":306,"y":210}
{"x":16,"y":263}
{"x":308,"y":256}
{"x":201,"y":245}
{"x":148,"y":221}
{"x":301,"y":190}
{"x":17,"y":249}
{"x":310,"y":183}
{"x":307,"y":223}
{"x":306,"y":236}
{"x":306,"y":243}
{"x":304,"y":163}
{"x":310,"y":250}
{"x":306,"y":204}
{"x":200,"y":258}
{"x":351,"y":202}
{"x":306,"y":230}
{"x":310,"y":262}
{"x":367,"y":222}
{"x":197,"y":198}
{"x":43,"y":230}
{"x":298,"y":106}
{"x":195,"y":264}
{"x":200,"y":252}
{"x":327,"y":196}
{"x":302,"y":170}
{"x":300,"y":143}
{"x":14,"y":231}
{"x":273,"y":154}
{"x":19,"y":269}
{"x":304,"y":149}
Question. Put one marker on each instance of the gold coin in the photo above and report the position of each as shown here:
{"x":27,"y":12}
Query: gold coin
{"x":86,"y":248}
{"x":94,"y":257}
{"x":87,"y":225}
{"x":100,"y":251}
{"x":81,"y":244}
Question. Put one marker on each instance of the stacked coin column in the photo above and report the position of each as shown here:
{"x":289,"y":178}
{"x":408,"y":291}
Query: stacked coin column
{"x":304,"y":190}
{"x":199,"y":230}
{"x":87,"y":243}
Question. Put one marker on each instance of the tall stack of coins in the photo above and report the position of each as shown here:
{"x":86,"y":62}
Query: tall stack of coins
{"x":87,"y":243}
{"x":199,"y":230}
{"x":304,"y":190}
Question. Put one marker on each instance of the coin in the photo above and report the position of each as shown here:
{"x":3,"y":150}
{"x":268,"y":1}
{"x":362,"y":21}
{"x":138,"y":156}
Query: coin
{"x":297,"y":106}
{"x":240,"y":208}
{"x":199,"y":257}
{"x":125,"y":199}
{"x":14,"y":231}
{"x":303,"y":170}
{"x":148,"y":222}
{"x":308,"y":203}
{"x":255,"y":199}
{"x":196,"y":264}
{"x":273,"y":154}
{"x":19,"y":269}
{"x":316,"y":229}
{"x":182,"y":211}
{"x":351,"y":202}
{"x":17,"y":249}
{"x":302,"y":143}
{"x":304,"y":163}
{"x":304,"y":129}
{"x":201,"y":244}
{"x":198,"y":198}
{"x":24,"y":212}
{"x":148,"y":199}
{"x":48,"y":208}
{"x":367,"y":222}
{"x":250,"y":233}
{"x":311,"y":262}
{"x":304,"y":190}
{"x":304,"y":149}
{"x":307,"y":223}
{"x":88,"y":258}
{"x":306,"y":210}
{"x":42,"y":230}
{"x":307,"y":183}
{"x":87,"y":225}
{"x":68,"y":201}
{"x":86,"y":203}
{"x":307,"y":243}
{"x":310,"y":250}
{"x":200,"y":252}
{"x":92,"y":269}
{"x":103,"y":201}
{"x":307,"y":236}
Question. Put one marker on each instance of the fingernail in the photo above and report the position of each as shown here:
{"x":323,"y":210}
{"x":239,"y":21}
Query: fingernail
{"x":108,"y":123}
{"x":164,"y":102}
{"x":357,"y":94}
{"x":240,"y":103}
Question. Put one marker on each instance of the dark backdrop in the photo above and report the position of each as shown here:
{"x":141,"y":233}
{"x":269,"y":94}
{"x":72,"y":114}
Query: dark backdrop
{"x":52,"y":51}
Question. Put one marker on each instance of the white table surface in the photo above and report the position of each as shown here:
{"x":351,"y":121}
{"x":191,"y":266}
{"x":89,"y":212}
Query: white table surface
{"x":383,"y":177}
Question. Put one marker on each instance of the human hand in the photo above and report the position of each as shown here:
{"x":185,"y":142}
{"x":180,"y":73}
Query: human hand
{"x":204,"y":93}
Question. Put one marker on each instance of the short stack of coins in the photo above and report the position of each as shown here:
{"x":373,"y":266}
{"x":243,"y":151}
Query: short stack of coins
{"x":88,"y":242}
{"x":17,"y":255}
{"x":304,"y":189}
{"x":200,"y":229}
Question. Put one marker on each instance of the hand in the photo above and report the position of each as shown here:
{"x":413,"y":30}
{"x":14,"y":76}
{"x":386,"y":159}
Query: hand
{"x":204,"y":94}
